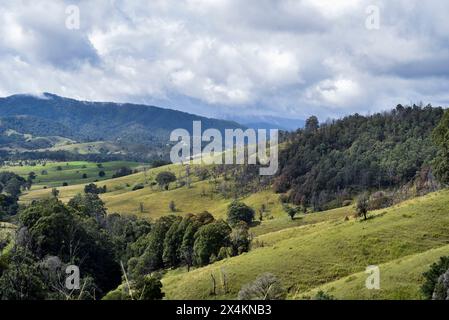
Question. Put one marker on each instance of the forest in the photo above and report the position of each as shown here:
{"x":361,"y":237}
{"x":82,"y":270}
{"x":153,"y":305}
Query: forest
{"x":336,"y":160}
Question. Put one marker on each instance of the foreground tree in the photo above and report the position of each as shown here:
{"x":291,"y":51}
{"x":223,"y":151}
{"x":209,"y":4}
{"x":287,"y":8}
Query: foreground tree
{"x":265,"y":287}
{"x":209,"y":240}
{"x":436,"y":280}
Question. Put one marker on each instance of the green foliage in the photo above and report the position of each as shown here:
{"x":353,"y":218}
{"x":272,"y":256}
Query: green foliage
{"x":165,"y":178}
{"x":321,"y":295}
{"x":291,"y":211}
{"x":122,"y":172}
{"x":356,"y":153}
{"x":433,"y":278}
{"x":148,"y":288}
{"x":362,"y":205}
{"x":209,"y":240}
{"x":441,"y":139}
{"x":89,"y":205}
{"x":94,"y":189}
{"x":240,"y":240}
{"x":58,"y":230}
{"x":8,"y":206}
{"x":239,"y":211}
{"x":152,"y":256}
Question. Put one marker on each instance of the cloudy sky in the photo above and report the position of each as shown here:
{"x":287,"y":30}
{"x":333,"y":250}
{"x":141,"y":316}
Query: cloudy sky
{"x":291,"y":58}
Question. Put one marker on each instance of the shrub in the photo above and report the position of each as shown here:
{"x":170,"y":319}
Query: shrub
{"x":139,"y":186}
{"x":265,"y":287}
{"x":238,"y":211}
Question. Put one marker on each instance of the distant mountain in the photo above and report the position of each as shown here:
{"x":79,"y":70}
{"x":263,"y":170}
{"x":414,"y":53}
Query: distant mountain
{"x":51,"y":115}
{"x":268,"y":122}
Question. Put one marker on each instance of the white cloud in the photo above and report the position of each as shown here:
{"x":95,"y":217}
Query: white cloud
{"x":297,"y":57}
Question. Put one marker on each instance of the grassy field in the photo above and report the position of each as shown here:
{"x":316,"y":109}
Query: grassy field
{"x":70,"y":172}
{"x":313,"y":255}
{"x":400,"y":280}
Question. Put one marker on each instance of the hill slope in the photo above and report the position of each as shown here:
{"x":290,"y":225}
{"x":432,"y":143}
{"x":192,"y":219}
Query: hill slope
{"x":307,"y":257}
{"x":96,"y":121}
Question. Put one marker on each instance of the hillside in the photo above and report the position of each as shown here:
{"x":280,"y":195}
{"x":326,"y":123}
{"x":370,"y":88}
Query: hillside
{"x":317,"y":251}
{"x":326,"y":163}
{"x":127,"y":124}
{"x":307,"y":257}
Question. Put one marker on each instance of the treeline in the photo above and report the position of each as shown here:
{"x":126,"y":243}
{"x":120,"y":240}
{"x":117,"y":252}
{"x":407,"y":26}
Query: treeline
{"x":110,"y":249}
{"x":65,"y":156}
{"x":323,"y":165}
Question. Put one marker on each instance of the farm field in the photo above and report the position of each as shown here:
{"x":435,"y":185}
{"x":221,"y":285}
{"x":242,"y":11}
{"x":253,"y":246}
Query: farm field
{"x":54,"y":174}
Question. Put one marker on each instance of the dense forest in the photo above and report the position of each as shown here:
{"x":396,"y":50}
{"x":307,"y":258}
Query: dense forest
{"x":336,"y":160}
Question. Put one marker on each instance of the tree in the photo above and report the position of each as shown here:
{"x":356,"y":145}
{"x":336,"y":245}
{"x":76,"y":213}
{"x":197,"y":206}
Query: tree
{"x":172,"y":206}
{"x":209,"y":239}
{"x":122,"y":172}
{"x":151,"y":258}
{"x":94,"y":189}
{"x":55,"y":229}
{"x":172,"y":242}
{"x":101,"y":174}
{"x":240,"y":239}
{"x":362,"y":205}
{"x":13,"y":187}
{"x":435,"y":279}
{"x":312,"y":124}
{"x":21,"y":280}
{"x":55,"y":192}
{"x":238,"y":211}
{"x":164,"y":179}
{"x":8,"y":205}
{"x":440,"y":137}
{"x":148,"y":288}
{"x":291,"y":211}
{"x":265,"y":287}
{"x":89,"y":205}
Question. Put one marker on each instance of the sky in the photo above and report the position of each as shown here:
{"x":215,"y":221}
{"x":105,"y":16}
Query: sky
{"x":286,"y":58}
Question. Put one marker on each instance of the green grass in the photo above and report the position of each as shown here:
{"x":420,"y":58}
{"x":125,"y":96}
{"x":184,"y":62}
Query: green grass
{"x":71,"y":172}
{"x":400,"y":279}
{"x":309,"y":256}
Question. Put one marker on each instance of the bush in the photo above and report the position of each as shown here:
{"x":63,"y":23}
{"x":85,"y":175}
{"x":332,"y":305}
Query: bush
{"x":265,"y":287}
{"x":165,"y":178}
{"x":139,"y":186}
{"x":238,"y":211}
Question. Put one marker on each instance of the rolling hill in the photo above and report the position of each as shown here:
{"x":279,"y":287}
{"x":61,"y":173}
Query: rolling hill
{"x":49,"y":115}
{"x":326,"y":251}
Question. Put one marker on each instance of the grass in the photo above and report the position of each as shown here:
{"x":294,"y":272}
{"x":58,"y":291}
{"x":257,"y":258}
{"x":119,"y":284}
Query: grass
{"x":71,"y":172}
{"x":309,"y":256}
{"x":401,"y":279}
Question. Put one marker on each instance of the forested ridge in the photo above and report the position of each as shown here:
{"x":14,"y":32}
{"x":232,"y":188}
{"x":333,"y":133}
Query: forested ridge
{"x":343,"y":157}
